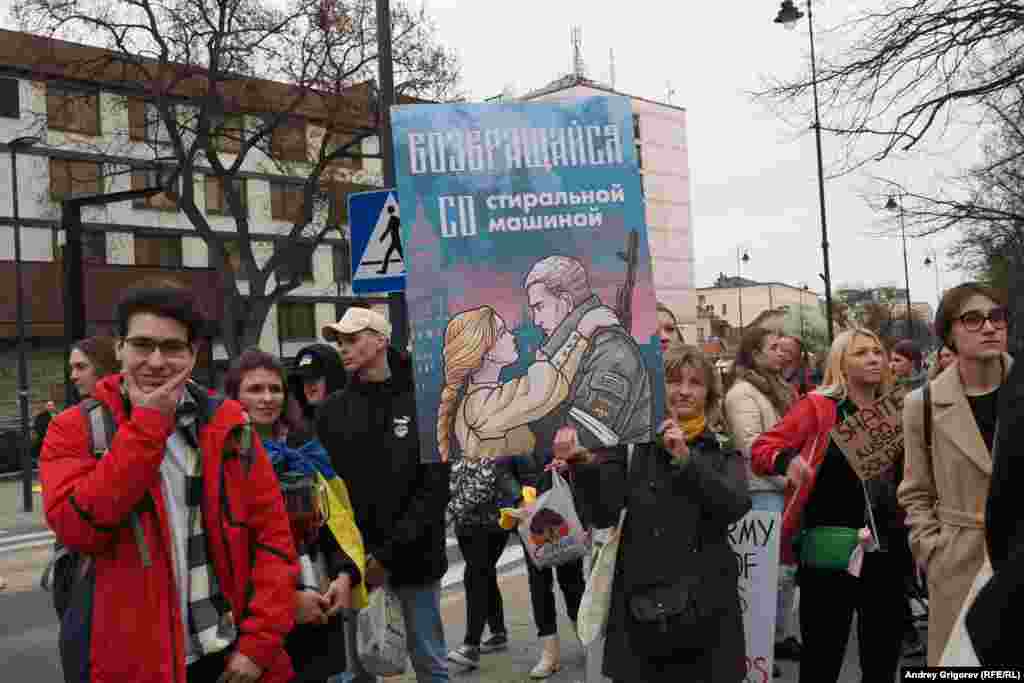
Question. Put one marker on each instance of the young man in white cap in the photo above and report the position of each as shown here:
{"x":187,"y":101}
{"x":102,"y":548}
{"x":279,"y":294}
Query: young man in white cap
{"x":369,"y":429}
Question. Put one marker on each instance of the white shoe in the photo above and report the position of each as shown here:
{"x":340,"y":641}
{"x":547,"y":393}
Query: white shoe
{"x":550,"y":658}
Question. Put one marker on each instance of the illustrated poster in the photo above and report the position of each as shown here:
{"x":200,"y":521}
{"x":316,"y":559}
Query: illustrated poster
{"x":528,"y":276}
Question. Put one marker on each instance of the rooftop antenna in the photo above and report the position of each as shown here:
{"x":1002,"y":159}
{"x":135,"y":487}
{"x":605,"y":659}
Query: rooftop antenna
{"x":579,"y":69}
{"x":611,"y":66}
{"x":669,"y":91}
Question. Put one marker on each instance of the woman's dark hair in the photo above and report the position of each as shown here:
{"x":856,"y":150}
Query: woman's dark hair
{"x":750,"y":343}
{"x":100,"y":351}
{"x":909,"y":350}
{"x":255,"y":359}
{"x":164,"y":298}
{"x":953,"y":300}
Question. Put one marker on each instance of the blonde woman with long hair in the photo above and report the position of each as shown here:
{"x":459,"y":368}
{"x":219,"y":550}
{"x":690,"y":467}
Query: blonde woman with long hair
{"x":830,"y":511}
{"x":485,"y":421}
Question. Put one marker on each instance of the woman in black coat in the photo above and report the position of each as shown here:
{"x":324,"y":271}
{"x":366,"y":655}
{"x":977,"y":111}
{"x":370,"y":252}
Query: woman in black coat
{"x":682,"y":494}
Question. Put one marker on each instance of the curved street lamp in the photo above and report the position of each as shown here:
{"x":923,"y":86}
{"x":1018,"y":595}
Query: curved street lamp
{"x":740,"y":260}
{"x":897,"y":205}
{"x":788,"y":16}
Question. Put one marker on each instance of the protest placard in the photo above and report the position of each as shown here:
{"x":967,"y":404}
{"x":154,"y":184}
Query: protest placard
{"x":872,"y":438}
{"x":755,"y":541}
{"x":529,"y":279}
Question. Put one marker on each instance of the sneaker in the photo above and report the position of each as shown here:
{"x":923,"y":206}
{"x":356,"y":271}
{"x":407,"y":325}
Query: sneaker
{"x":497,"y":641}
{"x":466,"y":655}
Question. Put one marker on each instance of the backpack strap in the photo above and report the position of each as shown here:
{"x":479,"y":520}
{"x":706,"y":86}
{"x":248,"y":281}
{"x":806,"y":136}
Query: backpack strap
{"x":927,"y":396}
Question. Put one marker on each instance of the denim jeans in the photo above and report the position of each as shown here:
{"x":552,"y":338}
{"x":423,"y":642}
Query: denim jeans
{"x":785,"y":608}
{"x":424,"y":632}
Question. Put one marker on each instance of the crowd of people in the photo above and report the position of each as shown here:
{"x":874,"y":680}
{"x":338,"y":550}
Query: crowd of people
{"x":193,"y":559}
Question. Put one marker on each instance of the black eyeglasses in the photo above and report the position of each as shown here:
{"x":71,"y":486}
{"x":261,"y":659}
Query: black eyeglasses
{"x":973,"y":321}
{"x":168,"y":347}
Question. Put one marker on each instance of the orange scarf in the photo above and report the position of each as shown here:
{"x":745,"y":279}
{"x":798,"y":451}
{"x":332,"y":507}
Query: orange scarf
{"x":693,"y":426}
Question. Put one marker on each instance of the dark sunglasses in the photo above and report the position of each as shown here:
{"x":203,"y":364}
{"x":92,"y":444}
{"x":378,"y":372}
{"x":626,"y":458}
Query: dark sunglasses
{"x":973,"y":321}
{"x":168,"y":347}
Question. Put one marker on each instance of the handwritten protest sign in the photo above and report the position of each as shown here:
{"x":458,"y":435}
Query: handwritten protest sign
{"x":755,"y":542}
{"x":872,"y":438}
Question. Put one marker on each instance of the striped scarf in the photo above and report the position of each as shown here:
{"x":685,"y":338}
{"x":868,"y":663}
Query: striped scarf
{"x":211,"y":626}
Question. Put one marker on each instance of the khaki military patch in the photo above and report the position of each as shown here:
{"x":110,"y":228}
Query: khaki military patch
{"x":600,"y":409}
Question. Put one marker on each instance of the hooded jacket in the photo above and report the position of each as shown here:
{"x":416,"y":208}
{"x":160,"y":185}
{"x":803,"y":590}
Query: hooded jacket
{"x":329,"y":362}
{"x":369,"y":430}
{"x":123,"y":623}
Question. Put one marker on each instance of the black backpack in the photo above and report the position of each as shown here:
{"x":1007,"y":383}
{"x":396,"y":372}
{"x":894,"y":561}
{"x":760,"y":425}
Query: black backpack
{"x":66,"y":566}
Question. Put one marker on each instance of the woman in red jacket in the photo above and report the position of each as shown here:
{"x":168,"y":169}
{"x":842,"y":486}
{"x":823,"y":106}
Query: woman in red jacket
{"x":830,"y":511}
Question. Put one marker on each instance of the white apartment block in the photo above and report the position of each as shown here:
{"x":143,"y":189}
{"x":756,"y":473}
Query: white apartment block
{"x":91,"y":133}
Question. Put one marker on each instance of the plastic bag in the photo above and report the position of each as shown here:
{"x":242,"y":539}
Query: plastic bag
{"x":552,"y":532}
{"x":380,"y":634}
{"x":597,"y":598}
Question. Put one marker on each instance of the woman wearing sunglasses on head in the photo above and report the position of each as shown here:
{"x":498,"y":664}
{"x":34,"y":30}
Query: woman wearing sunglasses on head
{"x":948,"y":451}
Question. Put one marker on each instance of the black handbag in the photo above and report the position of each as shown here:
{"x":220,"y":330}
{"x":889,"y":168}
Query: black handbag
{"x":669,"y":618}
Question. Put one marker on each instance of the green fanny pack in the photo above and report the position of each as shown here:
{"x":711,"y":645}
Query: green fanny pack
{"x":826,"y":547}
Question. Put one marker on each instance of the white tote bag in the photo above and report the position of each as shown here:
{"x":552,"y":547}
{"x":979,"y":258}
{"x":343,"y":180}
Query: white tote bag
{"x":552,"y":532}
{"x":959,"y":648}
{"x":597,"y":598}
{"x":380,"y":634}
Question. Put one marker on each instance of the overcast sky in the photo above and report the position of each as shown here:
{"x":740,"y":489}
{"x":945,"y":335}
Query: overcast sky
{"x":753,"y":178}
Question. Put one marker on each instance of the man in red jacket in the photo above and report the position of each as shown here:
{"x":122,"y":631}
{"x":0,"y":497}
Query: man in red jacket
{"x":191,"y":570}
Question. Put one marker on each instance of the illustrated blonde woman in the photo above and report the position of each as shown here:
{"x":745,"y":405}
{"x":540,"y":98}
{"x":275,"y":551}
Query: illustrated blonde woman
{"x":483,"y":422}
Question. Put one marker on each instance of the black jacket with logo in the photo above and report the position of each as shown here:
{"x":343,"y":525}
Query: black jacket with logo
{"x":369,"y":430}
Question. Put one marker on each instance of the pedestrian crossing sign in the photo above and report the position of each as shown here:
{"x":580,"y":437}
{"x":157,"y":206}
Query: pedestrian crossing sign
{"x":378,"y":263}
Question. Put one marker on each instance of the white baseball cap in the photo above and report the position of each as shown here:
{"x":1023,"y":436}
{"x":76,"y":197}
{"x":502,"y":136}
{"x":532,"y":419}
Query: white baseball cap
{"x":356,"y":320}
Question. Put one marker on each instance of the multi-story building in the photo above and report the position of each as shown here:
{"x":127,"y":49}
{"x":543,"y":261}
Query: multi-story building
{"x":659,"y":132}
{"x":94,"y":137}
{"x":738,"y":302}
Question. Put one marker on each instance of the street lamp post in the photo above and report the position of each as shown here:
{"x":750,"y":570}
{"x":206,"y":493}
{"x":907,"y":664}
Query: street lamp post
{"x":19,"y":303}
{"x":788,"y":16}
{"x":741,"y":258}
{"x":803,"y":332}
{"x":895,"y":204}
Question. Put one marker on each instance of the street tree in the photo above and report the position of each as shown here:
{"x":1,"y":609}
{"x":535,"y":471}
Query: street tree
{"x":218,"y":89}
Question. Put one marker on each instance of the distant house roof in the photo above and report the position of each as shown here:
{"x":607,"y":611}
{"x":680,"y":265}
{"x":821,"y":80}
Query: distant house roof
{"x":731,"y":282}
{"x":572,"y":80}
{"x":713,"y":347}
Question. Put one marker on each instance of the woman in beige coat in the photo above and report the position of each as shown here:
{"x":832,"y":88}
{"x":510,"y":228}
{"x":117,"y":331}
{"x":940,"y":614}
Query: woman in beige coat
{"x":945,"y":485}
{"x":757,"y":399}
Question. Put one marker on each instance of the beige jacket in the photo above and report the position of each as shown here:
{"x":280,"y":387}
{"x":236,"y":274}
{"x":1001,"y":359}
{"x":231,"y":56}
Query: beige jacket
{"x":748,"y":414}
{"x":493,"y":419}
{"x":944,"y":493}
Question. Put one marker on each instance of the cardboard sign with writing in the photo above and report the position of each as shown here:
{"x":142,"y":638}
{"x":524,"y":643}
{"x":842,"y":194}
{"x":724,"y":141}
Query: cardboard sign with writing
{"x":872,"y":438}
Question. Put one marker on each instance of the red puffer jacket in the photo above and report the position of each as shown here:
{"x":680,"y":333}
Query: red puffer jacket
{"x":803,"y":430}
{"x":124,"y":621}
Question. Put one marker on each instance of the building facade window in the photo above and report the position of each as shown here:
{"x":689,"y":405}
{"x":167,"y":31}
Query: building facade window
{"x":228,"y":136}
{"x":145,"y":124}
{"x":725,"y":309}
{"x":288,"y":141}
{"x":150,"y":177}
{"x":305,"y":266}
{"x":72,"y":178}
{"x":296,"y":320}
{"x":216,"y":195}
{"x":74,"y":111}
{"x":287,"y":202}
{"x":94,"y":247}
{"x":702,"y":300}
{"x":159,"y":251}
{"x":339,"y":192}
{"x":10,"y":98}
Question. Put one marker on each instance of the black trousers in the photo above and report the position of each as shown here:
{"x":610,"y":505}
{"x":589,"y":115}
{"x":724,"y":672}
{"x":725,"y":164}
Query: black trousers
{"x":481,"y":548}
{"x":828,"y":600}
{"x":207,"y":669}
{"x":542,"y":593}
